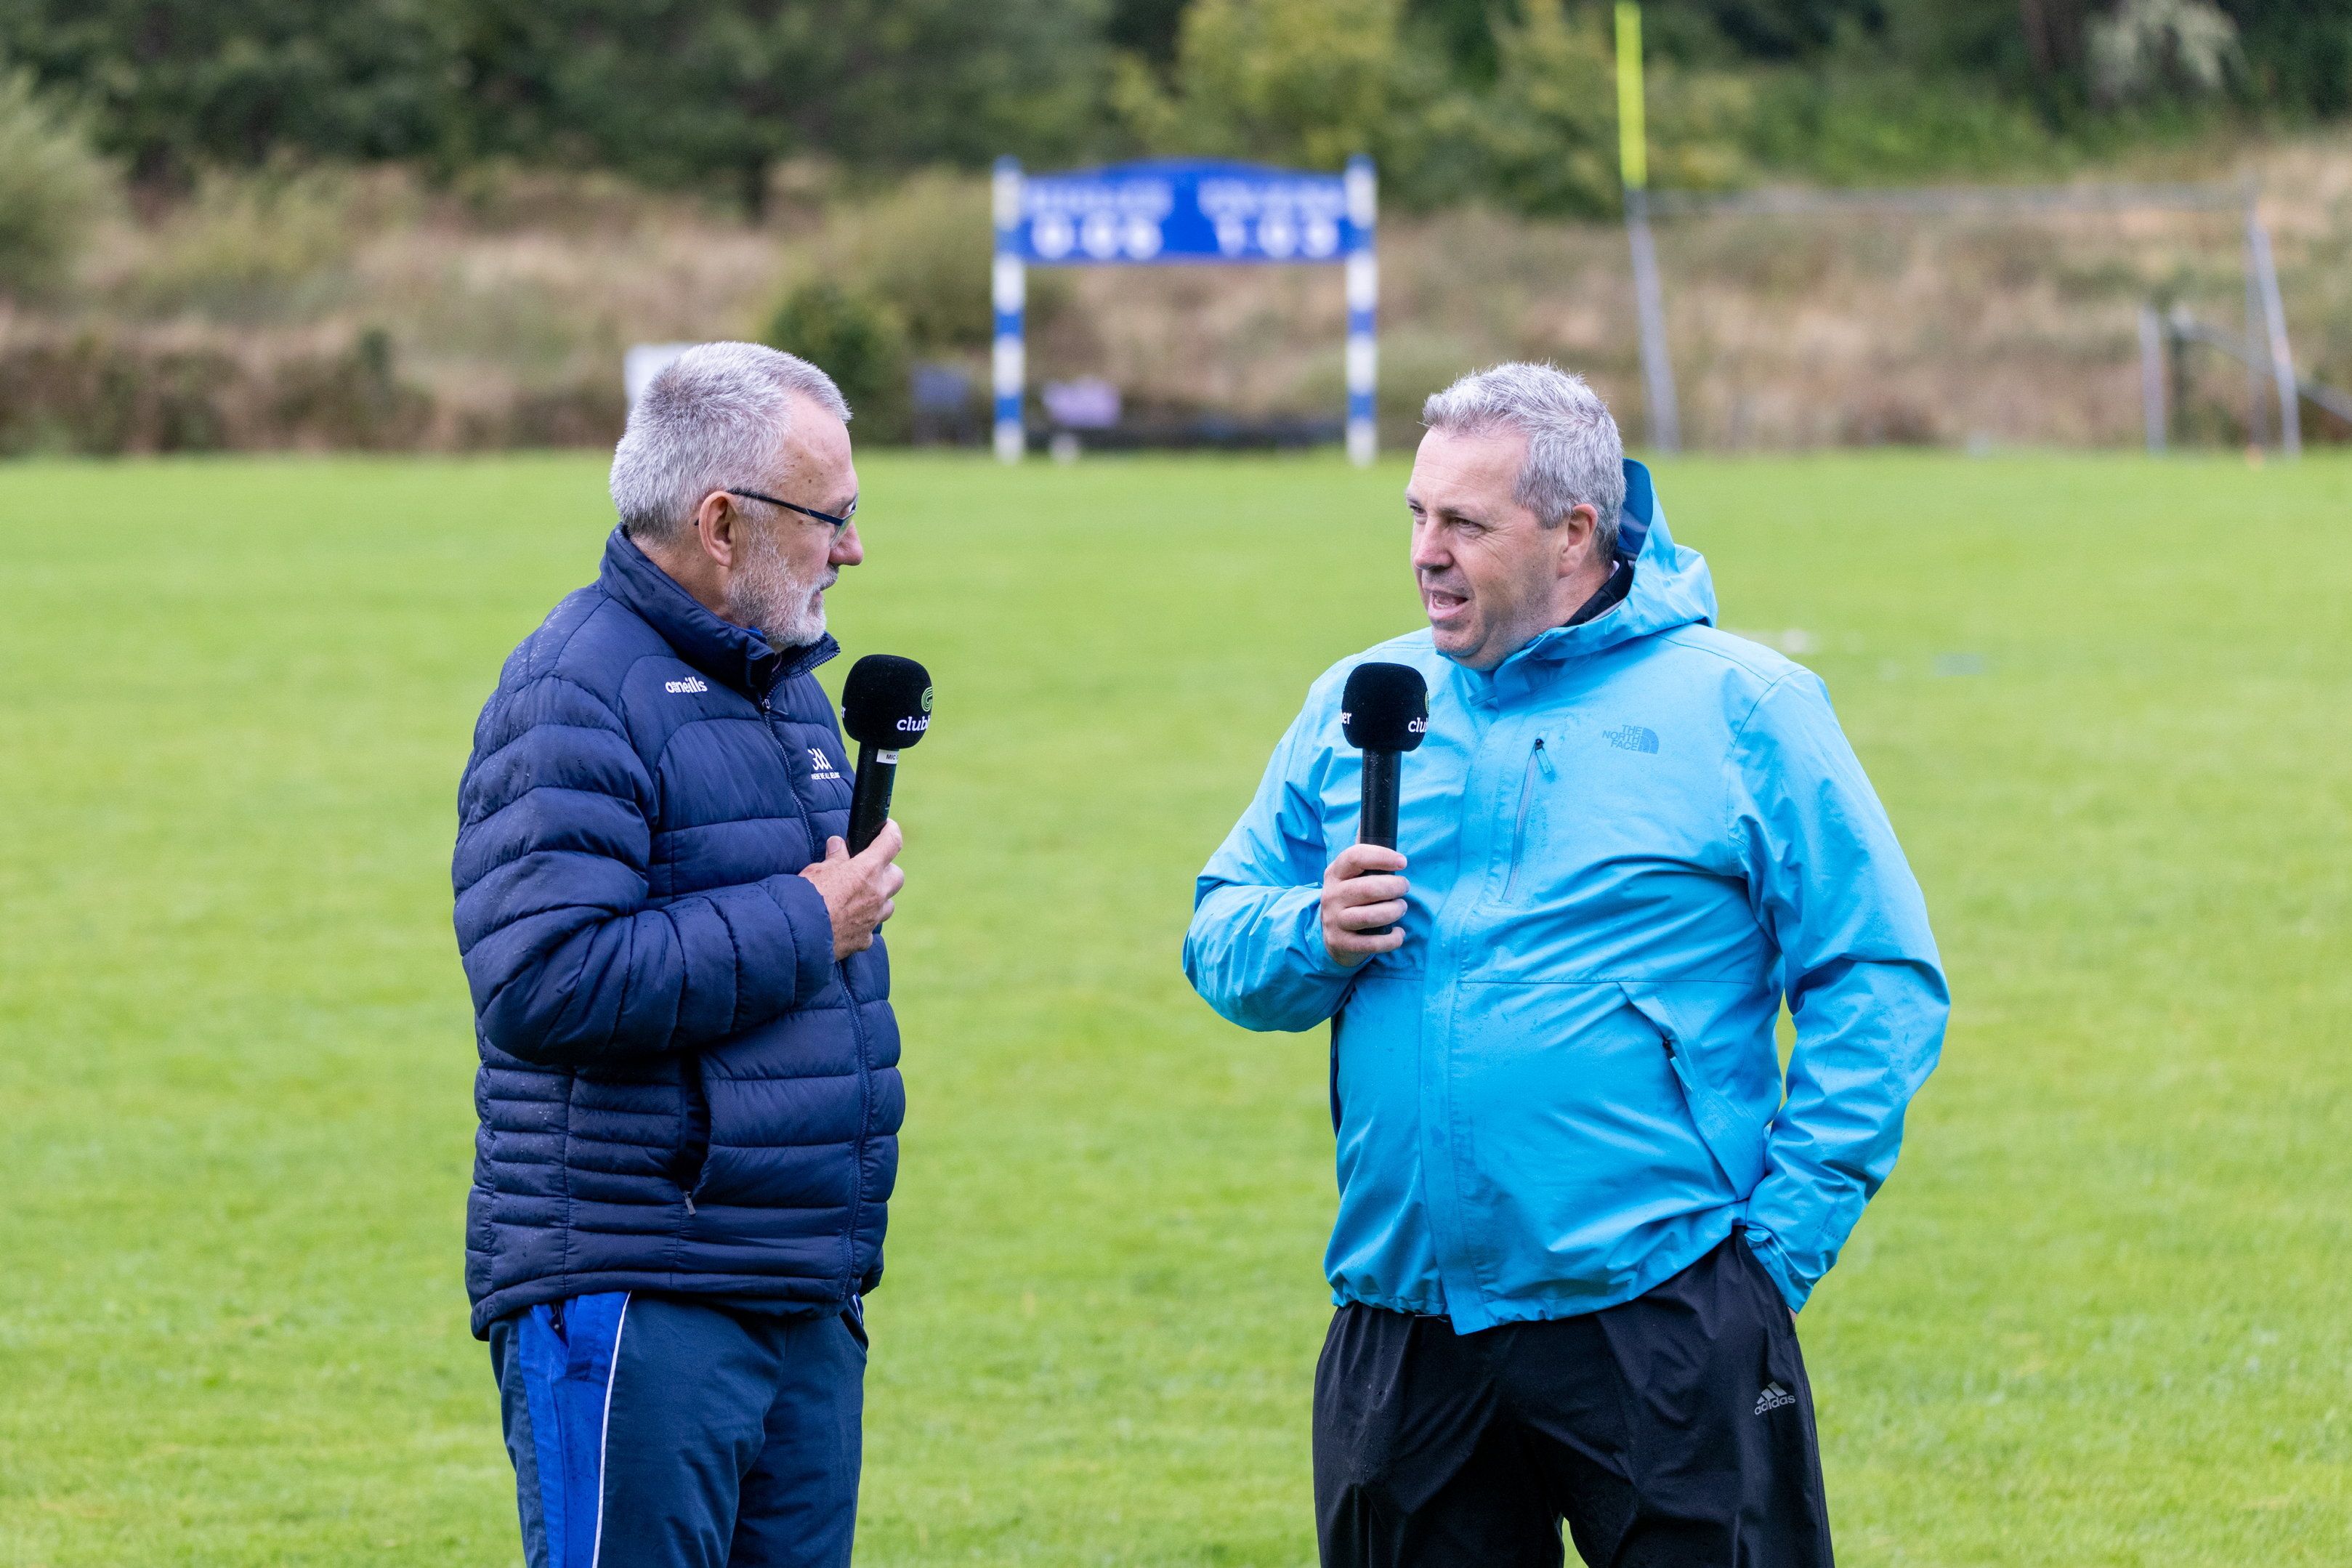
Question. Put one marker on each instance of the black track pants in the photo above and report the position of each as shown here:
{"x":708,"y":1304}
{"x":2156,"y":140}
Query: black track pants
{"x":1675,"y":1431}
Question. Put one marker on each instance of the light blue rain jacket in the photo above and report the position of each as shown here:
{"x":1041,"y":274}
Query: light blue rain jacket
{"x":1626,"y":845}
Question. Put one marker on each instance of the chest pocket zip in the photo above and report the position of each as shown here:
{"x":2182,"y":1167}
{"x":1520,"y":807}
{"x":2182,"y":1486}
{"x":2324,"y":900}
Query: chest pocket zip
{"x":1537,"y":760}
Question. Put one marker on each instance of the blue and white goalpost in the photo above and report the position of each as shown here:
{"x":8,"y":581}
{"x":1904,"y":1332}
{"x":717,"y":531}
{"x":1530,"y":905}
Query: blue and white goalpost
{"x":1159,"y":212}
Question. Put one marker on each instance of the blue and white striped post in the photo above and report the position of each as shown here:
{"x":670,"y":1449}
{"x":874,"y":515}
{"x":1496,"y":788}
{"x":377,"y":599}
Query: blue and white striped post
{"x":1363,"y":302}
{"x":1009,"y":283}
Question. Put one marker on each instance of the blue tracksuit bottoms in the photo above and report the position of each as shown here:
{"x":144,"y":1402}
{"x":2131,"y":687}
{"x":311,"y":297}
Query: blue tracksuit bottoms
{"x":662,"y":1432}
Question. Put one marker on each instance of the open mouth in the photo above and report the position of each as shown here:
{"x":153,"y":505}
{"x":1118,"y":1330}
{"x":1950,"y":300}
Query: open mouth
{"x":1443,"y":605}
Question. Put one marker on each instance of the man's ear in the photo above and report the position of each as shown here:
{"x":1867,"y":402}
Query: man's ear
{"x":1577,"y":532}
{"x":716,"y":525}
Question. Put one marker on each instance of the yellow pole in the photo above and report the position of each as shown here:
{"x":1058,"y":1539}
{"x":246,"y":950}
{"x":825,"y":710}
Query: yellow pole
{"x":1649,"y":295}
{"x":1632,"y":140}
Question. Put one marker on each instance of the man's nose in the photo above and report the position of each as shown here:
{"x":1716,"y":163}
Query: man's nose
{"x":1429,"y":551}
{"x":849,"y":549}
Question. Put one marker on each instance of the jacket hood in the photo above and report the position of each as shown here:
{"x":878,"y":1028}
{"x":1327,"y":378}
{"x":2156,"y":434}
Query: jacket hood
{"x":736,"y":655}
{"x":1671,"y":588}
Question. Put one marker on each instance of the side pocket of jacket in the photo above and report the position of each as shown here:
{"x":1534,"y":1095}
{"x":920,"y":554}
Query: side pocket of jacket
{"x":1737,"y":1146}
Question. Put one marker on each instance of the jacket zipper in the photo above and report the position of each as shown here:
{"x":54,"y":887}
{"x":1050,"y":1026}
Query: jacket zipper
{"x":696,"y":1109}
{"x":856,"y":1028}
{"x":1536,"y":759}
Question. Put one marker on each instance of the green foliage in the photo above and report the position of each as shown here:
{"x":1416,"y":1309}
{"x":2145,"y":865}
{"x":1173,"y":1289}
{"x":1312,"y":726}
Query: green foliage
{"x":922,"y":247}
{"x":2299,"y":55}
{"x":1540,"y":138}
{"x":1777,"y":29}
{"x":860,"y":342}
{"x":1297,"y":81}
{"x":1146,"y":27}
{"x":51,"y":187}
{"x":179,"y":82}
{"x":1545,"y":139}
{"x":720,"y":89}
{"x":2100,"y":1315}
{"x":1889,"y":127}
{"x":1310,"y":82}
{"x":705,"y":91}
{"x":1491,"y":101}
{"x":1463,"y":30}
{"x":246,"y":249}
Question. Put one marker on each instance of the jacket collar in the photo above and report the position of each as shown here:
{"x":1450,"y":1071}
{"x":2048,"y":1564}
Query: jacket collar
{"x":736,"y":655}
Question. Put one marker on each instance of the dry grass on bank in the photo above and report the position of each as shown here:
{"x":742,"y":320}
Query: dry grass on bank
{"x":338,"y":309}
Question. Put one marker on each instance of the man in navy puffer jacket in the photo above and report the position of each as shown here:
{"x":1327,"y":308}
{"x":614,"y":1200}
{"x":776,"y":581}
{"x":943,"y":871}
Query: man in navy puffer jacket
{"x":688,"y":1093}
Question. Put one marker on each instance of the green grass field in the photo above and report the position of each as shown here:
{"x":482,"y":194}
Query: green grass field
{"x":2102,"y":1315}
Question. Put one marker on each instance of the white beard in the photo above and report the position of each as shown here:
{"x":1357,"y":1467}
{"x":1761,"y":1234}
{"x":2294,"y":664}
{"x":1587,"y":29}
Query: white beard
{"x":764,"y":592}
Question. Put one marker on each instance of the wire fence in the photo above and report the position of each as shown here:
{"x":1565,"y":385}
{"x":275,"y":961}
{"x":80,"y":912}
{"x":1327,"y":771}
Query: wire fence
{"x":2275,"y":392}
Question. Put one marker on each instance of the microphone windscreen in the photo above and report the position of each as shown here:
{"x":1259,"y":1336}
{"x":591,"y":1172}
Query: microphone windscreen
{"x":886,"y":701}
{"x":1385,"y":708}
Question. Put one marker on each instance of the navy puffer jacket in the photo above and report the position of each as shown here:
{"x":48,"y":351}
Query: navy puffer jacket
{"x":680,"y":1090}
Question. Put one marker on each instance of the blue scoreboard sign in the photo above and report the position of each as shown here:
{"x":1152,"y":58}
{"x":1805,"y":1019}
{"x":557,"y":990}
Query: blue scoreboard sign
{"x":1169,"y":211}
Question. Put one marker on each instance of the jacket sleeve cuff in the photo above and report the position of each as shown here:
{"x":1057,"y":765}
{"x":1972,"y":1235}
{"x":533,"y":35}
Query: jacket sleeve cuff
{"x":812,"y":927}
{"x":1318,"y":957}
{"x":1775,"y":1260}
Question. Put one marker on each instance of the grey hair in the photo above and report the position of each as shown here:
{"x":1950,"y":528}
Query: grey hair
{"x":710,"y":419}
{"x":1575,"y":456}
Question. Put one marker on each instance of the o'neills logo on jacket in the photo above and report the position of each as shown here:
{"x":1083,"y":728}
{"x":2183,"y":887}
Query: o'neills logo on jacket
{"x":691,"y":683}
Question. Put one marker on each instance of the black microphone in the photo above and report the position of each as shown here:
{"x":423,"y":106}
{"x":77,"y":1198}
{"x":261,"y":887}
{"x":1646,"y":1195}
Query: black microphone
{"x":886,"y":706}
{"x":1384,"y":714}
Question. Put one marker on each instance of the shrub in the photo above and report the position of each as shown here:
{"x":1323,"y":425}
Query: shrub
{"x":51,"y":187}
{"x":104,"y":394}
{"x":248,"y":247}
{"x":859,"y":342}
{"x":923,"y":247}
{"x":354,"y":399}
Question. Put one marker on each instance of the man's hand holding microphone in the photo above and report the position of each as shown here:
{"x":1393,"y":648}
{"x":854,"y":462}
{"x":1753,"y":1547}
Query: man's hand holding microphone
{"x":858,"y":889}
{"x":885,"y":707}
{"x":1384,"y":712}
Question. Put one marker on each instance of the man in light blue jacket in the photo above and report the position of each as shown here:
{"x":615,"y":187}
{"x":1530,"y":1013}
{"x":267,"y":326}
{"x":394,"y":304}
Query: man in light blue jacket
{"x":1579,"y":1202}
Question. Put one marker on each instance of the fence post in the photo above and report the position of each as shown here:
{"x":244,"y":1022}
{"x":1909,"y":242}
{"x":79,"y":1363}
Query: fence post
{"x":2273,"y":335}
{"x":1008,"y":285}
{"x":2151,"y":379}
{"x":2257,"y":427}
{"x":2175,"y":362}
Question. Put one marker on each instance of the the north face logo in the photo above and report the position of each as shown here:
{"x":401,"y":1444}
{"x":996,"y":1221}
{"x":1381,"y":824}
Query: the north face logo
{"x":1633,"y":737}
{"x":820,"y":766}
{"x":1773,"y":1397}
{"x":691,"y":683}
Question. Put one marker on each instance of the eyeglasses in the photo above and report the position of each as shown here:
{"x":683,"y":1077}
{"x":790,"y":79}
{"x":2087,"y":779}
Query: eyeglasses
{"x":838,"y":523}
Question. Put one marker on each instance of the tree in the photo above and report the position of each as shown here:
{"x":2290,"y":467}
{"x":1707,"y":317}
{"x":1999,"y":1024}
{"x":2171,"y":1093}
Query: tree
{"x":674,"y":91}
{"x":1302,"y":81}
{"x":173,"y":83}
{"x":2298,"y":54}
{"x":669,"y":90}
